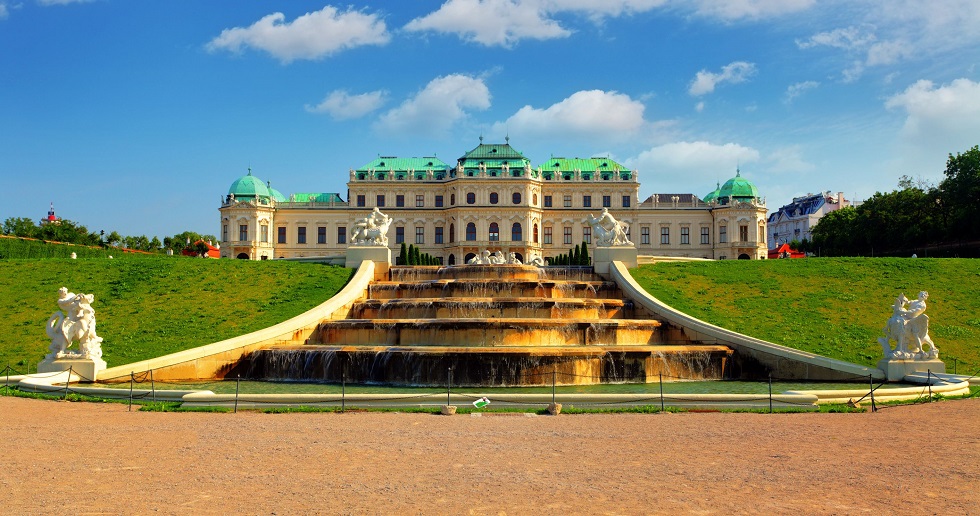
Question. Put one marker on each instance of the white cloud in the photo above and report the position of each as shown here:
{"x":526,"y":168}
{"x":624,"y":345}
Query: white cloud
{"x":677,"y":167}
{"x":947,"y":115}
{"x":310,"y":36}
{"x":844,"y":38}
{"x":787,"y":160}
{"x":888,"y":52}
{"x":63,"y":2}
{"x":795,"y":90}
{"x":699,"y":107}
{"x":491,"y":22}
{"x":731,"y":10}
{"x":593,"y":114}
{"x":439,"y":105}
{"x":704,"y":82}
{"x":342,"y":105}
{"x":4,"y":13}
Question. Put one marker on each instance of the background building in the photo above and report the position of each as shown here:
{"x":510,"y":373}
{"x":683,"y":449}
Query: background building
{"x":795,"y":220}
{"x":493,"y":199}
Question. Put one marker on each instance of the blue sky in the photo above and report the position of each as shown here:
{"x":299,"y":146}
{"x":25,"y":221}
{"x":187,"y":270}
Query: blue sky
{"x":137,"y":116}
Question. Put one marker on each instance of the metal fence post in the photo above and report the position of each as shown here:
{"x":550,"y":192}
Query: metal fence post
{"x":153,"y":387}
{"x":68,"y":381}
{"x":929,"y":380}
{"x":131,"y":378}
{"x":238,"y":382}
{"x":661,"y":376}
{"x":343,"y":389}
{"x":871,"y":381}
{"x":770,"y":393}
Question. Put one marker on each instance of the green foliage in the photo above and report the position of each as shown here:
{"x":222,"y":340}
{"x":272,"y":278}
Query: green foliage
{"x":831,"y":306}
{"x":22,"y":248}
{"x":584,"y":258}
{"x":403,"y":255}
{"x":575,"y":256}
{"x":152,"y":305}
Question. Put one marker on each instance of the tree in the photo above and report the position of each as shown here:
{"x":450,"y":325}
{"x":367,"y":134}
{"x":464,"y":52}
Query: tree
{"x":201,"y":248}
{"x":574,"y":254}
{"x":20,"y":226}
{"x":959,"y":194}
{"x":584,"y":258}
{"x":115,"y":238}
{"x":403,"y":255}
{"x":155,"y":244}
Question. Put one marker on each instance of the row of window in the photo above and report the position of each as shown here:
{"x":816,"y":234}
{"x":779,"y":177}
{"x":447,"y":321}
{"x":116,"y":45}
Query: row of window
{"x":380,"y":200}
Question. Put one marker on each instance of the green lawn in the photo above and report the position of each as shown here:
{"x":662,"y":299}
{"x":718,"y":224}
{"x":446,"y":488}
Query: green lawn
{"x":831,"y":306}
{"x":149,"y":306}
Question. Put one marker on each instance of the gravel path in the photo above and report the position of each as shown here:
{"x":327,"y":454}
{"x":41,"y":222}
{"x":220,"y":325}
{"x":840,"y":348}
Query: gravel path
{"x":85,"y":458}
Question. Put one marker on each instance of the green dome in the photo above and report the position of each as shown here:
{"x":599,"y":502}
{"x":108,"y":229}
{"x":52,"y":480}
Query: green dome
{"x":276,"y":194}
{"x":738,"y":188}
{"x":249,"y":186}
{"x":714,"y":194}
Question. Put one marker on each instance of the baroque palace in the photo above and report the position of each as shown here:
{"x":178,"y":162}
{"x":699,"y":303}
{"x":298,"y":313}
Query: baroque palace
{"x":492,"y":199}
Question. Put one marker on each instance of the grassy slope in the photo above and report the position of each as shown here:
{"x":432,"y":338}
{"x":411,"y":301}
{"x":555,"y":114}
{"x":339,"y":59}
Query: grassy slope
{"x":150,"y":306}
{"x":831,"y":306}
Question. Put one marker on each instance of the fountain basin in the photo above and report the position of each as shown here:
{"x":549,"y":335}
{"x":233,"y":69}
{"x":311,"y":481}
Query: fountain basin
{"x":483,"y":287}
{"x":469,"y":307}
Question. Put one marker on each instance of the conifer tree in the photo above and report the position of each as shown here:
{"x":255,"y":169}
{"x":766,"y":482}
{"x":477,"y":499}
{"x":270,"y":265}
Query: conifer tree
{"x":574,"y":256}
{"x":403,"y":255}
{"x":584,"y":258}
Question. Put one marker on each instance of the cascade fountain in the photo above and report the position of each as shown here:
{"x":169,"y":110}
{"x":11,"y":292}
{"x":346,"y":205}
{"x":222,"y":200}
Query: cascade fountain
{"x":499,"y":325}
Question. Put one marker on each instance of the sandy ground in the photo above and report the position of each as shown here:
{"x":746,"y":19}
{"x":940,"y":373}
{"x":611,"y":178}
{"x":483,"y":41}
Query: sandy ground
{"x":83,"y":458}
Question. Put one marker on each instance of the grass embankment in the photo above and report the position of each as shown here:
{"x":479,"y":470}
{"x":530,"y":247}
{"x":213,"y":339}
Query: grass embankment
{"x":835,"y":307}
{"x":149,"y":306}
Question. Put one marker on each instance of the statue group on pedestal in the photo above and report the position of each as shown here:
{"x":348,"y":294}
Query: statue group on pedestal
{"x":908,"y":327}
{"x":608,"y":231}
{"x":371,"y":230}
{"x":74,"y":322}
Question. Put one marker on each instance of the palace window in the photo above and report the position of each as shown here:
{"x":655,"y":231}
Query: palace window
{"x":547,"y":235}
{"x":281,"y":237}
{"x":419,"y":234}
{"x":243,"y":232}
{"x":516,"y":198}
{"x":419,"y":201}
{"x":452,"y":233}
{"x":400,"y":234}
{"x":224,"y":232}
{"x":685,"y":235}
{"x":587,"y":235}
{"x":743,"y":233}
{"x":723,"y":234}
{"x":607,"y":201}
{"x":321,"y":235}
{"x":452,"y":199}
{"x":438,"y":201}
{"x":535,"y":229}
{"x":645,"y":235}
{"x":568,"y":234}
{"x":517,"y":232}
{"x":381,"y":201}
{"x":439,"y":230}
{"x":360,"y":201}
{"x":705,"y":235}
{"x":567,"y":200}
{"x":664,"y":235}
{"x":263,"y":232}
{"x":494,"y":232}
{"x":471,"y":198}
{"x":586,"y":201}
{"x":626,"y":201}
{"x":301,"y":235}
{"x":341,"y":234}
{"x":470,"y":232}
{"x":547,"y":201}
{"x":493,"y":198}
{"x":399,"y":201}
{"x":534,"y":200}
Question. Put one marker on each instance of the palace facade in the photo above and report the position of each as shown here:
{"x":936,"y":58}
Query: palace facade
{"x":493,"y":198}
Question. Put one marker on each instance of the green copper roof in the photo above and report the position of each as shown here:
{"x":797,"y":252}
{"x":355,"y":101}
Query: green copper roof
{"x":396,"y":163}
{"x":249,"y":186}
{"x":738,"y":188}
{"x":585,"y":165}
{"x":277,"y":195}
{"x":494,"y":155}
{"x":714,"y":194}
{"x":316,"y":197}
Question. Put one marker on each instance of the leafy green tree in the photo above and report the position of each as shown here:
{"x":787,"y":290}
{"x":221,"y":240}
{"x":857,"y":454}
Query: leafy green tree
{"x":20,"y":226}
{"x":114,"y":238}
{"x":959,"y":194}
{"x":201,"y":248}
{"x":155,"y":244}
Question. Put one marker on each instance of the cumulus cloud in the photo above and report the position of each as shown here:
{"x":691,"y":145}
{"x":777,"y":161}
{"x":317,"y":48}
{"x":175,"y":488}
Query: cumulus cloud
{"x":678,"y":166}
{"x":310,"y":36}
{"x":594,"y":114}
{"x":795,"y":90}
{"x":732,"y":10}
{"x":844,"y":38}
{"x":491,"y":22}
{"x":704,"y":82}
{"x":945,"y":115}
{"x":342,"y":105}
{"x":437,"y":107}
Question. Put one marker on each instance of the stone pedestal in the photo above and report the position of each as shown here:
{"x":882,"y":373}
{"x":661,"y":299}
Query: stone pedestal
{"x":448,"y":410}
{"x":895,"y":370}
{"x":604,"y":256}
{"x":380,"y":255}
{"x":87,"y":368}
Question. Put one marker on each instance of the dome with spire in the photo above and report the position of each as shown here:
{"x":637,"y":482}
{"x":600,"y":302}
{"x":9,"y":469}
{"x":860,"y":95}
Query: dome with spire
{"x":249,"y":187}
{"x":739,"y":189}
{"x":714,"y":194}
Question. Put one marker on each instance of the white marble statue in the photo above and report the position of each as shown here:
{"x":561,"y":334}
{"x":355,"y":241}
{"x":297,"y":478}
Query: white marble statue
{"x":908,"y":327}
{"x":512,"y":259}
{"x":536,"y":260}
{"x":75,"y":322}
{"x":481,"y":259}
{"x":371,"y":230}
{"x":608,"y":231}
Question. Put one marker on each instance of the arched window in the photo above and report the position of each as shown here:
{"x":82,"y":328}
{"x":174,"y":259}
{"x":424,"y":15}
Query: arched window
{"x":493,"y":197}
{"x":494,"y":232}
{"x":519,"y":256}
{"x":534,"y":199}
{"x":470,"y":232}
{"x":468,"y":257}
{"x":516,"y":234}
{"x":452,"y":233}
{"x":242,"y":256}
{"x":517,"y":197}
{"x":471,"y":198}
{"x":452,"y":259}
{"x":535,"y":226}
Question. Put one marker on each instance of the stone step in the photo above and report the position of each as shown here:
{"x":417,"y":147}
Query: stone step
{"x":485,"y":307}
